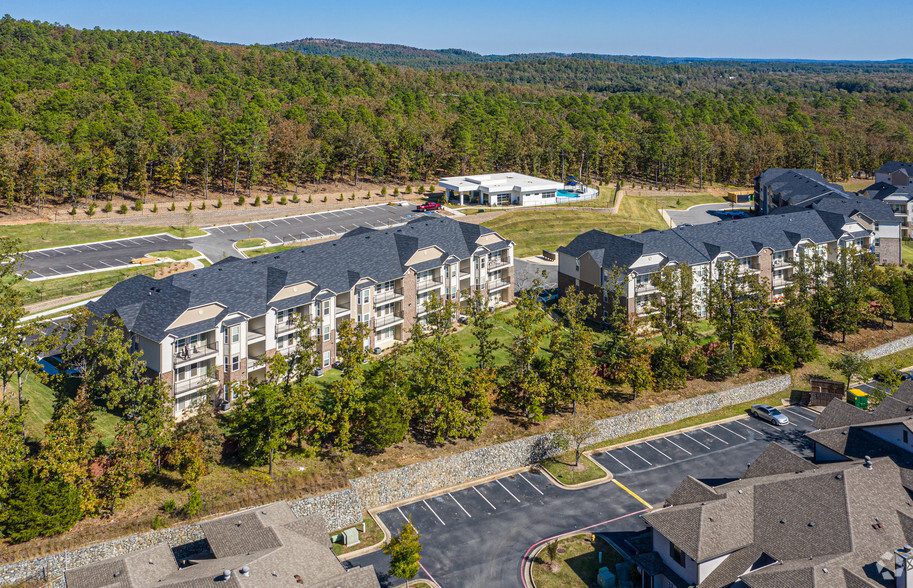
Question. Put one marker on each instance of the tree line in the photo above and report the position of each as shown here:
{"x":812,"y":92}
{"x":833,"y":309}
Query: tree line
{"x":89,"y":114}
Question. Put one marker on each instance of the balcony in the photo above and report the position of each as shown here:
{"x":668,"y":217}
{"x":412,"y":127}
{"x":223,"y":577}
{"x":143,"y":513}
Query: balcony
{"x":424,"y":285}
{"x":286,"y":326}
{"x":644,"y":287}
{"x":255,"y":334}
{"x":497,"y":262}
{"x":497,"y":284}
{"x":783,"y":263}
{"x":192,"y":353}
{"x":780,"y":282}
{"x":255,"y":361}
{"x":385,"y":320}
{"x":191,"y":384}
{"x":342,"y":311}
{"x":387,"y":296}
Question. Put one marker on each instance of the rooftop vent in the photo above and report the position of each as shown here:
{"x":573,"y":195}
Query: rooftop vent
{"x":811,"y":524}
{"x":226,"y":574}
{"x":245,"y":571}
{"x":839,"y":476}
{"x":868,"y":462}
{"x":782,"y":521}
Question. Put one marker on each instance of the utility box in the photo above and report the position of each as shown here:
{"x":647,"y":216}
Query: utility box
{"x":857,"y":398}
{"x":605,"y":579}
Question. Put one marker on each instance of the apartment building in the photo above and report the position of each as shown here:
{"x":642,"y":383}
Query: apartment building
{"x":510,"y":188}
{"x":778,"y":190}
{"x":894,"y":187}
{"x":768,"y":246}
{"x":214,"y":327}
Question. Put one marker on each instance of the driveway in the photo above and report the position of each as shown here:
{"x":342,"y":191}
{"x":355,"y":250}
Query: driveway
{"x":478,"y":536}
{"x":217,"y":244}
{"x":698,"y":214}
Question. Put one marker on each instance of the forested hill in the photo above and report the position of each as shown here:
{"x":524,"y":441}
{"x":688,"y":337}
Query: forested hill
{"x":91,"y":113}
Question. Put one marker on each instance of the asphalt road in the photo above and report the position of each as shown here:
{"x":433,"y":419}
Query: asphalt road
{"x":478,"y":536}
{"x":216,"y":244}
{"x":698,"y":215}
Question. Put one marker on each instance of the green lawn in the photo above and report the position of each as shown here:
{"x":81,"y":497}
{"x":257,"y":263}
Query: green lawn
{"x":562,"y":468}
{"x":907,"y":252}
{"x":578,"y":564}
{"x":41,"y":407}
{"x":372,"y":536}
{"x":176,"y":254}
{"x":69,"y":286}
{"x":248,"y":243}
{"x":273,"y":249}
{"x":43,"y":235}
{"x":503,"y":334}
{"x":549,"y":228}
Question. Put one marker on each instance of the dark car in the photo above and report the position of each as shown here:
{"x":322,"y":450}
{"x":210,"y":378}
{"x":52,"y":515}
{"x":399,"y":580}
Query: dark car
{"x":730,"y":214}
{"x":53,"y":365}
{"x":548,"y":295}
{"x":430,"y":206}
{"x":770,"y":414}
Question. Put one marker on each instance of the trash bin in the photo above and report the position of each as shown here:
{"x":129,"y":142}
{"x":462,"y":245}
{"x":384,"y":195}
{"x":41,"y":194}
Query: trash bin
{"x":857,"y":398}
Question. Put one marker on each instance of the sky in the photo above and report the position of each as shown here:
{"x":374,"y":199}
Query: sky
{"x":778,"y":29}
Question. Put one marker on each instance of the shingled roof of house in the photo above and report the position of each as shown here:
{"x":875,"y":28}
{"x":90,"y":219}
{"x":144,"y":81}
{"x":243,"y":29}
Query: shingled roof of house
{"x":265,"y":546}
{"x":884,"y":190}
{"x":893,"y":166}
{"x":821,"y":527}
{"x":247,"y":286}
{"x":703,"y":243}
{"x":798,"y":186}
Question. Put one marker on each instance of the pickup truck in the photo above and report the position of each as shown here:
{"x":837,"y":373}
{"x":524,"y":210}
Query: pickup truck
{"x":430,"y":206}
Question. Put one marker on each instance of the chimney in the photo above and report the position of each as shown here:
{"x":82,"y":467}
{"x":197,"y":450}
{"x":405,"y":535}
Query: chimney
{"x":903,"y":567}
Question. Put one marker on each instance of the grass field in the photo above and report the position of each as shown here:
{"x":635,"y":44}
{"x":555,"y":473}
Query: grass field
{"x":907,"y":252}
{"x":41,"y":407}
{"x":372,"y":536}
{"x":60,"y":287}
{"x":176,"y":254}
{"x":43,"y":235}
{"x":248,"y":243}
{"x":562,"y":468}
{"x":549,"y":228}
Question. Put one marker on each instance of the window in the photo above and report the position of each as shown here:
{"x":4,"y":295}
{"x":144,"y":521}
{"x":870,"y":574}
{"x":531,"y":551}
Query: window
{"x":677,"y":554}
{"x":235,"y":363}
{"x":905,"y":436}
{"x":326,"y":307}
{"x":326,"y":358}
{"x":577,"y":265}
{"x":236,"y":333}
{"x":326,"y":332}
{"x":227,"y":365}
{"x":877,"y":242}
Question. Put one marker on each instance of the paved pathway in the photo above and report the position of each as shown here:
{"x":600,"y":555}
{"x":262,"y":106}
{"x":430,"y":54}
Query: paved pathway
{"x":697,"y":215}
{"x":217,"y":244}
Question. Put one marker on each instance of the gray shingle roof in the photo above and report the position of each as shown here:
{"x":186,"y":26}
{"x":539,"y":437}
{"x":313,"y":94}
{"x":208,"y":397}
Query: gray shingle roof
{"x":882,"y":190}
{"x":893,"y":166}
{"x":149,"y":306}
{"x":797,"y":186}
{"x":692,"y":490}
{"x":776,"y":459}
{"x":839,"y":413}
{"x":702,"y":243}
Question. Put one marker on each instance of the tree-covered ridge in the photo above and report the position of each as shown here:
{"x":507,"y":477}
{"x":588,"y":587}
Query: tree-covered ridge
{"x":93,"y":113}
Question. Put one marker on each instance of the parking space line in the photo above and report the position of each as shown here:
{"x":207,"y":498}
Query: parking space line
{"x":632,"y":451}
{"x":647,"y":443}
{"x":629,"y":491}
{"x":531,"y":484}
{"x":695,"y":440}
{"x":408,"y":520}
{"x":747,"y":427}
{"x":74,"y":269}
{"x":677,"y":445}
{"x":43,"y":253}
{"x":806,"y":411}
{"x":714,"y":436}
{"x":425,"y":502}
{"x":485,"y":499}
{"x":458,"y":504}
{"x":794,"y":413}
{"x":104,"y":263}
{"x":618,"y":460}
{"x":92,"y":248}
{"x":508,"y":491}
{"x":120,"y":261}
{"x":733,"y":432}
{"x":105,"y":245}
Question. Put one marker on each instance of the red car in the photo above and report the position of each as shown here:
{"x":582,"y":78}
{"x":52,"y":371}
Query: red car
{"x":429,"y":206}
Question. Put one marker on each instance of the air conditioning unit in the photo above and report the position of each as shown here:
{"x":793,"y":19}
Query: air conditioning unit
{"x":377,"y":350}
{"x":224,"y":405}
{"x":318,"y":372}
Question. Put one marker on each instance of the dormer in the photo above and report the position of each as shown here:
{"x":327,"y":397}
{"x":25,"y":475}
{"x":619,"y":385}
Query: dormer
{"x":293,"y":290}
{"x":196,"y":315}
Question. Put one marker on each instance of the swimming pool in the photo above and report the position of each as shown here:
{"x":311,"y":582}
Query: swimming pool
{"x":569,"y":194}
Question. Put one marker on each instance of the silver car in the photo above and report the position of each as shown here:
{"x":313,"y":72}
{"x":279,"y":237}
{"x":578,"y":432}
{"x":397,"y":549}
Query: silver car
{"x":769,"y":414}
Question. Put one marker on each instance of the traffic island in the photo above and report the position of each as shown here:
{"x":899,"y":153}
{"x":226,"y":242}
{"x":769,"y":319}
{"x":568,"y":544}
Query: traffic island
{"x":566,"y":474}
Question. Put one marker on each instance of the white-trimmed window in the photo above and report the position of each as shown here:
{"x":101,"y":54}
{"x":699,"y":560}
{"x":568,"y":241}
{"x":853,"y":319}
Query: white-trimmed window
{"x":326,"y":358}
{"x":235,"y":363}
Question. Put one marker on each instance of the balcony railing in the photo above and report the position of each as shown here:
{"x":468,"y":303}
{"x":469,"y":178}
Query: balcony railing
{"x":190,"y":353}
{"x":496,"y":284}
{"x":644,"y":287}
{"x":781,"y":282}
{"x":286,"y":326}
{"x":783,"y":262}
{"x":387,"y":295}
{"x":497,"y":262}
{"x":188,"y":385}
{"x":255,"y":361}
{"x":428,"y":284}
{"x":385,"y":320}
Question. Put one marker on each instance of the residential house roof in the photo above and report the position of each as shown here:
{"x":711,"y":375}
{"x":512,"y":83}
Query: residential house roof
{"x":893,"y":166}
{"x":148,"y":306}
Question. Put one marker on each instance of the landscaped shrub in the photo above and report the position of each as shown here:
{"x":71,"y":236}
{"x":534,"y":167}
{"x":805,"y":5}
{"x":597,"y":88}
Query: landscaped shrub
{"x":781,"y":360}
{"x":169,"y":506}
{"x":158,"y":523}
{"x":697,"y":363}
{"x":73,"y":210}
{"x":219,"y":202}
{"x":722,"y":364}
{"x":189,"y":206}
{"x":173,"y":207}
{"x":283,"y":201}
{"x":295,"y":199}
{"x":123,"y":209}
{"x":138,"y":205}
{"x":203,"y":206}
{"x":194,"y":503}
{"x":367,"y":195}
{"x":155,"y":208}
{"x":108,"y":207}
{"x":269,"y":199}
{"x":341,"y":198}
{"x":324,"y":199}
{"x":37,"y":507}
{"x":409,"y":189}
{"x":257,"y":201}
{"x":396,"y":191}
{"x":91,"y":211}
{"x":241,"y":200}
{"x":352,"y":197}
{"x":421,"y":189}
{"x":383,"y":191}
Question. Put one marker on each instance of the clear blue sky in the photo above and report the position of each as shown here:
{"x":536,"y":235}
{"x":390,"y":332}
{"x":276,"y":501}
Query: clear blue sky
{"x":810,"y":29}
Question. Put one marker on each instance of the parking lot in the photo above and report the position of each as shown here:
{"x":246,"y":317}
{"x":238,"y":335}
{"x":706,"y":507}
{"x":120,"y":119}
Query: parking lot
{"x":217,"y":244}
{"x":478,"y":536}
{"x":699,"y":215}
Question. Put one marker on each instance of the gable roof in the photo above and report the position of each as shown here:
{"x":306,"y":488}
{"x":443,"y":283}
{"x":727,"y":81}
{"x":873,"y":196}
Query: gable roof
{"x":703,"y":243}
{"x":247,"y":286}
{"x":839,"y":413}
{"x":884,"y":190}
{"x":776,"y":459}
{"x":893,"y":166}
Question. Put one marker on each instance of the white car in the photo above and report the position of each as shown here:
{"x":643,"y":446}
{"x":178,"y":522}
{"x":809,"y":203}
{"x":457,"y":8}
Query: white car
{"x":770,"y":414}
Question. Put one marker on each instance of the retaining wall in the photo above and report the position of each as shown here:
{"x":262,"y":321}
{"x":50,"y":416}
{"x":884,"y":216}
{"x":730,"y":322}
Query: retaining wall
{"x":344,"y":508}
{"x":888,"y":348}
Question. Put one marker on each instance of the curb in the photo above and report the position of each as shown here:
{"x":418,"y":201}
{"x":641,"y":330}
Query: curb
{"x":609,"y":476}
{"x":368,"y":548}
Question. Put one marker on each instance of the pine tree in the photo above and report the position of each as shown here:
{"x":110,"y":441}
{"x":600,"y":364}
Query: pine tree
{"x":37,"y":506}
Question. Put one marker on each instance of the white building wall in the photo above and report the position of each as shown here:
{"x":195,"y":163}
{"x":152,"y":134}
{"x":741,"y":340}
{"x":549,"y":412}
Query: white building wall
{"x":893,"y":434}
{"x":661,"y":545}
{"x":567,"y":265}
{"x":156,"y":355}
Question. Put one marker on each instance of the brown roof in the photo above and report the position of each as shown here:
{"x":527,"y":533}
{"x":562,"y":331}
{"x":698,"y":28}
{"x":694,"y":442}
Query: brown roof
{"x":776,"y":459}
{"x":733,"y":566}
{"x":131,"y":569}
{"x":692,"y":490}
{"x":248,"y":531}
{"x":840,"y":414}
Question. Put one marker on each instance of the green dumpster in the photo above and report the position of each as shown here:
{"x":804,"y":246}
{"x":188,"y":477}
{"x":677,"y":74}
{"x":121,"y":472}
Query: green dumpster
{"x":857,"y":398}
